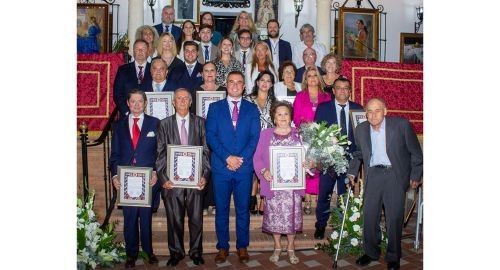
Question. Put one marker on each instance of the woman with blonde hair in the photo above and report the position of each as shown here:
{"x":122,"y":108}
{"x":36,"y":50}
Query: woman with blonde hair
{"x":261,"y":60}
{"x":167,"y":50}
{"x":304,"y":110}
{"x":331,"y":66}
{"x":150,"y":35}
{"x":243,"y":21}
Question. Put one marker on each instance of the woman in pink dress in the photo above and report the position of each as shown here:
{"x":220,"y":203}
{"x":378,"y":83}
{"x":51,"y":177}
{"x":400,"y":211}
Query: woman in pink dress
{"x":304,"y":109}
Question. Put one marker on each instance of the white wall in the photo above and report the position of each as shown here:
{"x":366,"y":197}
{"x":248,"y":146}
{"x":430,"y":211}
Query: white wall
{"x":400,"y":18}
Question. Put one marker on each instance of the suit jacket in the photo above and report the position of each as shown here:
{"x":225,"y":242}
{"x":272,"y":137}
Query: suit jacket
{"x":326,"y":112}
{"x":214,"y":51}
{"x":167,"y":87}
{"x":122,"y":149}
{"x":402,"y":147}
{"x":168,"y":133}
{"x":224,"y":140}
{"x":182,"y":79}
{"x":175,"y":30}
{"x":284,"y":49}
{"x":126,"y":79}
{"x":238,"y":54}
{"x":300,"y":73}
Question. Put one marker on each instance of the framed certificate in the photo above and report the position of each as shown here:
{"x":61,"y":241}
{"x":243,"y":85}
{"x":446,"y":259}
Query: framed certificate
{"x":205,"y":98}
{"x":184,"y":165}
{"x":290,"y":99}
{"x":160,"y":104}
{"x":135,"y":189}
{"x":286,"y":167}
{"x":357,"y":117}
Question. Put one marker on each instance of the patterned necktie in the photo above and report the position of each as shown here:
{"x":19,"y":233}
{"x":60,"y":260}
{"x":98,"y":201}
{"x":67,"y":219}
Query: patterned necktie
{"x":184,"y":134}
{"x":207,"y":54}
{"x":244,"y":58}
{"x":235,"y":115}
{"x":343,"y":123}
{"x":136,"y":132}
{"x":158,"y":87}
{"x":166,"y":29}
{"x":190,"y":69}
{"x":141,"y":74}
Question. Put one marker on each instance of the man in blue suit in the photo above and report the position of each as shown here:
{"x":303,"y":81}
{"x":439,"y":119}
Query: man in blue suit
{"x":188,"y":75}
{"x":281,"y":50}
{"x":233,"y":129}
{"x":336,"y":112}
{"x":167,"y":23}
{"x":131,"y":76}
{"x":134,"y":144}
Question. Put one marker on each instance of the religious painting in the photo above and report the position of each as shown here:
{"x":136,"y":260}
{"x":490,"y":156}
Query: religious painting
{"x":227,"y":3}
{"x":92,"y":28}
{"x":265,"y":10}
{"x":411,"y":48}
{"x":358,"y":33}
{"x":186,"y":10}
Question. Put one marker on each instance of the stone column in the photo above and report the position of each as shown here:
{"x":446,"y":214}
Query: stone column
{"x":323,"y":22}
{"x":135,"y":19}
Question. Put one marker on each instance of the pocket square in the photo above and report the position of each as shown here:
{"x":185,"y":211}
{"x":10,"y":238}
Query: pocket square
{"x":198,"y":75}
{"x":151,"y":134}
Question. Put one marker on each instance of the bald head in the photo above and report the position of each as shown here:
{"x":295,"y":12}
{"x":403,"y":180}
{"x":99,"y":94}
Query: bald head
{"x":375,"y":112}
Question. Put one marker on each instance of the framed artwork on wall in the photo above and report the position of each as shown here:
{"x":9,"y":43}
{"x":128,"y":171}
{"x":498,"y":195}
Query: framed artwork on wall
{"x":92,"y":28}
{"x":186,"y":10}
{"x":358,"y":33}
{"x":411,"y":48}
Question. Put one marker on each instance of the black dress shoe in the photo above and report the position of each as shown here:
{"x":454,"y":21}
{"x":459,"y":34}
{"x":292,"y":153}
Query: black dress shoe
{"x":364,"y":260}
{"x":392,"y":265}
{"x":198,"y":260}
{"x":130,"y":262}
{"x":152,"y":259}
{"x":319,"y":233}
{"x":173,"y":262}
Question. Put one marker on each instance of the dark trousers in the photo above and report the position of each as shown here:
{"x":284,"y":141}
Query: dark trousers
{"x":208,"y":194}
{"x":382,"y":188}
{"x":326,"y":184}
{"x":241,"y":189}
{"x":135,"y":219}
{"x":177,"y":202}
{"x":156,"y":196}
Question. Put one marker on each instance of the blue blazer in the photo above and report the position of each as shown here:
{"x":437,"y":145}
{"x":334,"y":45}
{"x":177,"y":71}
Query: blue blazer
{"x":122,"y":149}
{"x":175,"y":31}
{"x":300,"y":73}
{"x":126,"y":80}
{"x":285,"y":50}
{"x":224,"y":140}
{"x":326,"y":112}
{"x":180,"y":76}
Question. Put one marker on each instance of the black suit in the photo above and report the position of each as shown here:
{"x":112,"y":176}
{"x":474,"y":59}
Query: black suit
{"x":182,"y":79}
{"x":178,"y":200}
{"x":386,"y":186}
{"x":284,"y":49}
{"x":127,"y":79}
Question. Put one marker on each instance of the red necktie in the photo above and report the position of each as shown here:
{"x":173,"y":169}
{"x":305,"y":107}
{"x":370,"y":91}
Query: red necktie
{"x":141,"y":74}
{"x":135,"y":132}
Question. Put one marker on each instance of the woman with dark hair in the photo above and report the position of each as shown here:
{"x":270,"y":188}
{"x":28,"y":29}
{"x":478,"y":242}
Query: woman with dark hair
{"x":287,"y":86}
{"x":226,"y":62}
{"x":360,"y":44}
{"x":188,"y":33}
{"x":283,"y":213}
{"x":208,"y":18}
{"x":262,"y":95}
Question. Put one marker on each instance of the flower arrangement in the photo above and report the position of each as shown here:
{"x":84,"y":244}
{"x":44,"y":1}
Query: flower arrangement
{"x":95,"y":245}
{"x":352,"y":235}
{"x":325,"y":146}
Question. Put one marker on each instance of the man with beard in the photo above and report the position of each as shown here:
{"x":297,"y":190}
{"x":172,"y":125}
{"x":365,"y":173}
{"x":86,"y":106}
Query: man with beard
{"x":281,"y":50}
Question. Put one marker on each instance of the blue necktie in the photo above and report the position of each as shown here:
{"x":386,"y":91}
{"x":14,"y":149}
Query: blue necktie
{"x":166,"y":29}
{"x":207,"y":54}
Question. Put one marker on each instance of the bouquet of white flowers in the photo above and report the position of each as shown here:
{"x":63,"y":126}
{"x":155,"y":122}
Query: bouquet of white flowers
{"x":325,"y":146}
{"x":95,"y":246}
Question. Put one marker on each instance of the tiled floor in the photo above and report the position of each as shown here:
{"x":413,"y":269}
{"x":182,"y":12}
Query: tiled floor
{"x":309,"y":259}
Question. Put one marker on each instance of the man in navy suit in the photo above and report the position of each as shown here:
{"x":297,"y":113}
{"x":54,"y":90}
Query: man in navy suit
{"x":134,"y":144}
{"x":131,"y":76}
{"x":188,"y":75}
{"x":159,"y":72}
{"x":281,"y":50}
{"x":393,"y":160}
{"x":335,"y":112}
{"x":233,"y":130}
{"x":166,"y":25}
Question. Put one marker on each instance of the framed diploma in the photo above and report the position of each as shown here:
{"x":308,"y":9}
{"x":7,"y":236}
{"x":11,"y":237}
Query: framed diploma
{"x":160,"y":104}
{"x":286,"y":167}
{"x":184,"y":165}
{"x":135,"y":189}
{"x":290,"y":99}
{"x":357,"y":117}
{"x":205,"y":98}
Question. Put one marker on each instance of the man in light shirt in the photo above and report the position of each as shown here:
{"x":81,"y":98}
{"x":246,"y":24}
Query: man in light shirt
{"x":307,"y":36}
{"x":281,"y":50}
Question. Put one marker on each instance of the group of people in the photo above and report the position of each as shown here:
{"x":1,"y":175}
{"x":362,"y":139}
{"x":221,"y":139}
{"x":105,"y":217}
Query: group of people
{"x":238,"y":131}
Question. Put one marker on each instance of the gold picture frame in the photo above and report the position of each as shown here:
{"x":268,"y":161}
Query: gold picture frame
{"x":358,"y":33}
